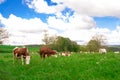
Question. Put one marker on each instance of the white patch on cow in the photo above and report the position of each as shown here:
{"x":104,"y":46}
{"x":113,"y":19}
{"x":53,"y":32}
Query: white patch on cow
{"x":15,"y":48}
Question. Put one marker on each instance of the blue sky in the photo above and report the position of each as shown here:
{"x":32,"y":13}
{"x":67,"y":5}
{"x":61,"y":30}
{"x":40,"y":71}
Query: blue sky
{"x":23,"y":18}
{"x":19,"y":9}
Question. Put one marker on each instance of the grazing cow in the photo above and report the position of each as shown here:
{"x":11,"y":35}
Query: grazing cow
{"x":65,"y":54}
{"x":21,"y":53}
{"x":45,"y":51}
{"x":102,"y":50}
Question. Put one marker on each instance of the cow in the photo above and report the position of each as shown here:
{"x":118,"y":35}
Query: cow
{"x":45,"y":51}
{"x":21,"y":53}
{"x":65,"y":54}
{"x":102,"y":50}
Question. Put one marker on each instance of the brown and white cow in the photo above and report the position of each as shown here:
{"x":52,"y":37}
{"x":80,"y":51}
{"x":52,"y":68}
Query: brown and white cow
{"x":21,"y":53}
{"x":45,"y":51}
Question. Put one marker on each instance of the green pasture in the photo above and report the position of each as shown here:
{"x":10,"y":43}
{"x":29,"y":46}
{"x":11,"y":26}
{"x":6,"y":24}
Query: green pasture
{"x":78,"y":66}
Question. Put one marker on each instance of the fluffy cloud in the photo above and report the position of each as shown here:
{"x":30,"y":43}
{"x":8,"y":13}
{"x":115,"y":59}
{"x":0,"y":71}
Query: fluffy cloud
{"x":93,"y":7}
{"x":1,"y":1}
{"x":75,"y":22}
{"x":41,"y":6}
{"x":86,"y":7}
{"x":24,"y":25}
{"x":24,"y":31}
{"x":114,"y":36}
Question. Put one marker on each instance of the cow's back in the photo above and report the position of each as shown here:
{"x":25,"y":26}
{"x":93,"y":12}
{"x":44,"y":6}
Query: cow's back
{"x":21,"y":51}
{"x":45,"y":50}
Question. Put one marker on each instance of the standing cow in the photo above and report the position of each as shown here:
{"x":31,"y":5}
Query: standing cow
{"x":45,"y":51}
{"x":21,"y":53}
{"x":102,"y":50}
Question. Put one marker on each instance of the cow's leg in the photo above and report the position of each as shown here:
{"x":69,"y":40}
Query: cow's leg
{"x":22,"y":59}
{"x":46,"y":55}
{"x":40,"y":55}
{"x":43,"y":56}
{"x":27,"y":59}
{"x":13,"y":58}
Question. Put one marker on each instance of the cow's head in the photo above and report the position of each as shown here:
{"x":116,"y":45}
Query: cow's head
{"x":53,"y":52}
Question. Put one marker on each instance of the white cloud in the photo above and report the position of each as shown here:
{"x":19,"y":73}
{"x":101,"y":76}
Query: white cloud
{"x":86,"y":7}
{"x":41,"y":6}
{"x":93,"y":7}
{"x":1,"y":1}
{"x":82,"y":21}
{"x":24,"y":25}
{"x":24,"y":31}
{"x":114,"y":36}
{"x":75,"y":21}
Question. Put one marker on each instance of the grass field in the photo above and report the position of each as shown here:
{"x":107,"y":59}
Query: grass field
{"x":76,"y":67}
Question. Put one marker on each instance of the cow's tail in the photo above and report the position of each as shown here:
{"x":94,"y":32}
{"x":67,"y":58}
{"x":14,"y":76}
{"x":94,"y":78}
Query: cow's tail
{"x":14,"y":54}
{"x":22,"y":59}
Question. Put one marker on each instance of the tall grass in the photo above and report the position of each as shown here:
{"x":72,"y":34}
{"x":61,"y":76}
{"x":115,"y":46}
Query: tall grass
{"x":76,"y":67}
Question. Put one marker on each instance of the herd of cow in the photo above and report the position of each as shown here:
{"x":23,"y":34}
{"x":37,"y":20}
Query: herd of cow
{"x":45,"y":51}
{"x":23,"y":53}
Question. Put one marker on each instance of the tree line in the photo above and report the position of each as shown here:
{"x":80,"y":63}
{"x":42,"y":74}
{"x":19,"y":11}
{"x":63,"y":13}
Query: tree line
{"x":60,"y":43}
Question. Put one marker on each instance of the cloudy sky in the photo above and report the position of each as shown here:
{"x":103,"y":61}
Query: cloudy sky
{"x":79,"y":20}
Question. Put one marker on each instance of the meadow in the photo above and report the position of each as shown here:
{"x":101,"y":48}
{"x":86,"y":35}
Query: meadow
{"x":78,"y":66}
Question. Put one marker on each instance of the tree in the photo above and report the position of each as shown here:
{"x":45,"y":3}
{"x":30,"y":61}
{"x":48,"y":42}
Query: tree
{"x":93,"y":46}
{"x":100,"y":38}
{"x":3,"y":33}
{"x":45,"y":39}
{"x":96,"y":42}
{"x":83,"y":48}
{"x":48,"y":39}
{"x":65,"y":44}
